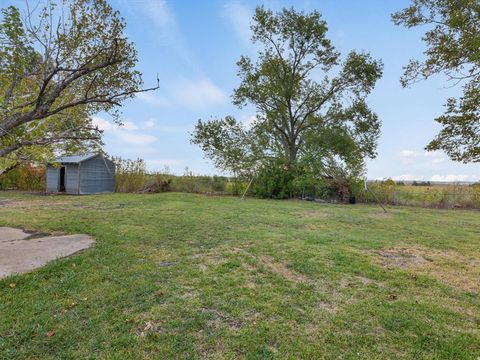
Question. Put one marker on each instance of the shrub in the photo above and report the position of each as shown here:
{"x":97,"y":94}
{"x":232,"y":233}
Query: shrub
{"x":157,"y":183}
{"x":27,"y":177}
{"x":274,"y":181}
{"x":130,"y":175}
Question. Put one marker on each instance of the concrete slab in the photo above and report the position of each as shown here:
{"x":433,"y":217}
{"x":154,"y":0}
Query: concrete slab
{"x":9,"y":234}
{"x":20,"y":256}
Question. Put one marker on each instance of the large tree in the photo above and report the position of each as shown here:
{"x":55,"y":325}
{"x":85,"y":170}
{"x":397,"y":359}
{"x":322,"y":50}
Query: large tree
{"x":309,"y":102}
{"x":58,"y":66}
{"x":453,"y":49}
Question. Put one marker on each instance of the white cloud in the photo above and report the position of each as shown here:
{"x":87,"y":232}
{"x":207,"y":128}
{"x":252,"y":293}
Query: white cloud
{"x":161,"y":14}
{"x":151,"y":99}
{"x":129,"y":126}
{"x":408,"y":157}
{"x":126,"y":134}
{"x":454,"y":178}
{"x":135,"y":139}
{"x":198,"y":94}
{"x":437,"y":157}
{"x":409,"y":177}
{"x":102,"y":124}
{"x":149,"y":124}
{"x":408,"y":153}
{"x":163,"y":162}
{"x":437,"y":178}
{"x":191,"y":93}
{"x":438,"y":160}
{"x":239,"y":18}
{"x":174,"y":128}
{"x":167,"y":30}
{"x":248,"y":120}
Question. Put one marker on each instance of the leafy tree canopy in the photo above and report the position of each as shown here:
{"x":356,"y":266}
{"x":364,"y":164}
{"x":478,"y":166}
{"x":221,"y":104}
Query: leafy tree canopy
{"x":310,"y":102}
{"x":59,"y":66}
{"x":453,"y":49}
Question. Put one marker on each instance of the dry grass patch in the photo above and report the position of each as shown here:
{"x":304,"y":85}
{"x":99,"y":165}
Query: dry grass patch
{"x":23,"y":205}
{"x":149,"y":327}
{"x":282,"y":270}
{"x":220,"y":319}
{"x":315,"y":215}
{"x":449,"y":267}
{"x":313,"y":226}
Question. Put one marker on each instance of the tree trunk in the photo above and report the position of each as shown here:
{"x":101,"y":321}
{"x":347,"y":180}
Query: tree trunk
{"x":292,"y":152}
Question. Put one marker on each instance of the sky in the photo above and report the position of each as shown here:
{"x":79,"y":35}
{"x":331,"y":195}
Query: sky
{"x":194,"y":45}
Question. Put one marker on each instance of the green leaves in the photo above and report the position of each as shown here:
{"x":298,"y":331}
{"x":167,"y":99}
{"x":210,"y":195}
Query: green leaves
{"x":64,"y":63}
{"x":227,"y":143}
{"x":299,"y":117}
{"x":281,"y":85}
{"x":453,"y":48}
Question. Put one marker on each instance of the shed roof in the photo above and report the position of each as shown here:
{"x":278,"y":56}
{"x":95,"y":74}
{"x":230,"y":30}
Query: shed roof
{"x":75,"y":159}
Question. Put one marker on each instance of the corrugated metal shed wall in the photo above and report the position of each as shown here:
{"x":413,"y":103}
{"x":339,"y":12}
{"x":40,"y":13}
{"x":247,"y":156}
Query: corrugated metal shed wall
{"x":51,"y":179}
{"x":71,"y":178}
{"x":97,"y":175}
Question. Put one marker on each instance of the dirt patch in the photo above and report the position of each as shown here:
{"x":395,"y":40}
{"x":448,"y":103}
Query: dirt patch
{"x":250,"y":285}
{"x":209,"y":259}
{"x":26,"y":204}
{"x":6,"y":203}
{"x":327,"y":306}
{"x":149,"y":327}
{"x":313,"y":226}
{"x":282,"y":270}
{"x":249,"y":267}
{"x":314,"y":215}
{"x":217,"y":257}
{"x":220,"y":319}
{"x":168,"y":263}
{"x":401,"y":257}
{"x":449,"y":267}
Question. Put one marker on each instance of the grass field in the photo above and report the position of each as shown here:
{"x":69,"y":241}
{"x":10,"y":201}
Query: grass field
{"x":181,"y":276}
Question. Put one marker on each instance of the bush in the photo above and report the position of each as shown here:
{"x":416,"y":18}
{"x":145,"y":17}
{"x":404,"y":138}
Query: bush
{"x":274,"y":181}
{"x":157,"y":183}
{"x":384,"y":191}
{"x":26,"y":177}
{"x":130,"y":175}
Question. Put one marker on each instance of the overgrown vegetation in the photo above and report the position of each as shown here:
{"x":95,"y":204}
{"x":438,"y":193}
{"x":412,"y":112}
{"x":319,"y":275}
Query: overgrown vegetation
{"x":189,"y":276}
{"x":131,"y":176}
{"x":24,"y":177}
{"x":446,"y":196}
{"x":304,"y":127}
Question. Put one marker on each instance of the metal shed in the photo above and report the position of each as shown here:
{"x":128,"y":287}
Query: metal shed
{"x":81,"y":174}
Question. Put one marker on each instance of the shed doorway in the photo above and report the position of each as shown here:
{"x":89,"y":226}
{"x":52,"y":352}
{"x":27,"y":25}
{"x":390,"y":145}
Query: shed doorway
{"x":61,"y":180}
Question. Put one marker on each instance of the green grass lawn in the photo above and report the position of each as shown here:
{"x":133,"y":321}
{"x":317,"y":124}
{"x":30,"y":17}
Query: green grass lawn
{"x":179,"y":276}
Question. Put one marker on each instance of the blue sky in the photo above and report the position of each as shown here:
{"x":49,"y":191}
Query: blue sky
{"x":194,"y":45}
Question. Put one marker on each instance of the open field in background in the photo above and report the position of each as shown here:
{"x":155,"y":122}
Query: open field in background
{"x":131,"y":177}
{"x":442,"y":196}
{"x":190,"y":276}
